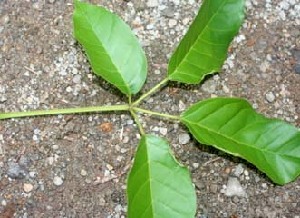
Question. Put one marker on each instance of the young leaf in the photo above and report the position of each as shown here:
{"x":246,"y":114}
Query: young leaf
{"x":233,"y":126}
{"x":204,"y":48}
{"x":113,"y":51}
{"x":158,"y":186}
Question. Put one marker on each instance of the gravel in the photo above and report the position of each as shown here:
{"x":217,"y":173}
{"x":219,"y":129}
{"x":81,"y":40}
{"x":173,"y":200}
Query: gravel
{"x":239,"y":169}
{"x":58,"y":181}
{"x":183,"y":138}
{"x":270,"y":97}
{"x":234,"y":188}
{"x":67,"y":166}
{"x":27,"y":187}
{"x":15,"y":171}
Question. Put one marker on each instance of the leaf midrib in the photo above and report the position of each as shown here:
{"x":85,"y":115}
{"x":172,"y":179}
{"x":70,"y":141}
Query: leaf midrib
{"x":100,"y":42}
{"x":235,"y":141}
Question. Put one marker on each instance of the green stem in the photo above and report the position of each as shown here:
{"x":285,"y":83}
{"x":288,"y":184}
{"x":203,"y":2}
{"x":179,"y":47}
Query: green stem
{"x":64,"y":111}
{"x":129,"y":99}
{"x":168,"y":116}
{"x":137,"y":121}
{"x":151,"y":91}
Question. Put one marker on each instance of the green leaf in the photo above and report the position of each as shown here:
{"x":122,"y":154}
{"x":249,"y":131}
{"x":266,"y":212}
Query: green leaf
{"x":158,"y":186}
{"x":113,"y":51}
{"x":204,"y":48}
{"x":232,"y":125}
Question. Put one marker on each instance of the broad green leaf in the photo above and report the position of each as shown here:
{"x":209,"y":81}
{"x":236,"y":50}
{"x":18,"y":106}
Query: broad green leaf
{"x":204,"y":48}
{"x":113,"y":51}
{"x":232,"y":125}
{"x":158,"y":186}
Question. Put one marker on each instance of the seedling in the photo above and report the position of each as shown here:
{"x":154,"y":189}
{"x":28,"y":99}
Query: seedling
{"x":158,"y":186}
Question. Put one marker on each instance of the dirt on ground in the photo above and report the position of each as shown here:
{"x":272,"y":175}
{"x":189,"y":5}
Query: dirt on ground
{"x":76,"y":165}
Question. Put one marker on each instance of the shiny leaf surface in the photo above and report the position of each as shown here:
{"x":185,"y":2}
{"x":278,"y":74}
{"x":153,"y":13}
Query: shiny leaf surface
{"x":113,"y":51}
{"x":158,"y":186}
{"x":232,"y":125}
{"x":204,"y":48}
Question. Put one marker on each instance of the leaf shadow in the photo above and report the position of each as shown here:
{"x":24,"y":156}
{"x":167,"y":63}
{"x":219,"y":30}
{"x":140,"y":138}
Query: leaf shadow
{"x":187,"y":87}
{"x":204,"y":148}
{"x":108,"y":87}
{"x":231,"y":158}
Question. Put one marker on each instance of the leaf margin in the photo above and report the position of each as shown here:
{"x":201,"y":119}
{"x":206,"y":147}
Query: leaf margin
{"x":126,"y":86}
{"x":164,"y":150}
{"x":279,"y":177}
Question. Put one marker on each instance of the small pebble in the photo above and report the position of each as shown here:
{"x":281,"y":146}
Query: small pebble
{"x":15,"y":171}
{"x":184,"y":138}
{"x":32,"y":174}
{"x":88,"y":181}
{"x":152,"y":3}
{"x":235,"y":199}
{"x":125,"y":139}
{"x":172,"y":22}
{"x":234,"y":188}
{"x":155,"y":129}
{"x":238,"y":170}
{"x":3,"y":99}
{"x":27,"y":187}
{"x":50,"y":160}
{"x":123,"y":150}
{"x":130,"y":122}
{"x":185,"y":21}
{"x":270,"y":97}
{"x":83,"y":172}
{"x":109,"y":167}
{"x":118,"y":208}
{"x":264,"y":185}
{"x":55,"y":147}
{"x":69,"y":89}
{"x":195,"y":165}
{"x":163,"y":131}
{"x":3,"y":202}
{"x":182,"y":106}
{"x":57,"y":181}
{"x":77,"y":79}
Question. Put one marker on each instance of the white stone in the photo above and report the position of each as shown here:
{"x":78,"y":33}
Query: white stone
{"x":32,"y":174}
{"x":270,"y":97}
{"x":163,"y":131}
{"x":185,"y":21}
{"x":77,"y":79}
{"x":184,"y":138}
{"x":69,"y":89}
{"x":57,"y":181}
{"x":240,"y":38}
{"x":239,"y":169}
{"x":172,"y":22}
{"x":83,"y":172}
{"x":152,"y":3}
{"x":3,"y":202}
{"x":181,"y":106}
{"x":195,"y":165}
{"x":55,"y":147}
{"x":234,"y":188}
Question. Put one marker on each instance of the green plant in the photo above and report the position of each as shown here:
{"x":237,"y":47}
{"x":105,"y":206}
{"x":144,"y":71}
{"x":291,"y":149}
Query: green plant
{"x":158,"y":186}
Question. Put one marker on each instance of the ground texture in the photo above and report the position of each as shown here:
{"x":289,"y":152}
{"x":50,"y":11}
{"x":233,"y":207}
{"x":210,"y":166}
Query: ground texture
{"x":76,"y":165}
